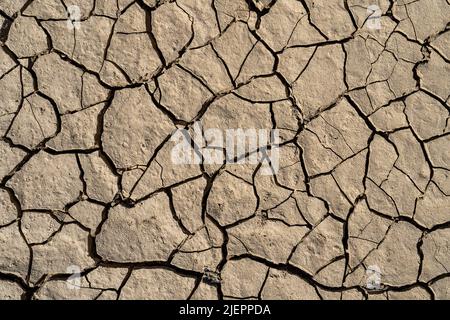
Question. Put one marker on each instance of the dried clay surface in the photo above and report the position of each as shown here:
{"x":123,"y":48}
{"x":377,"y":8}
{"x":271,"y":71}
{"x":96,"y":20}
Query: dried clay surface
{"x":93,"y":205}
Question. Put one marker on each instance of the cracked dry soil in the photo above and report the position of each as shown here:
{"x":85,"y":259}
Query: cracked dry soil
{"x":87,"y":184}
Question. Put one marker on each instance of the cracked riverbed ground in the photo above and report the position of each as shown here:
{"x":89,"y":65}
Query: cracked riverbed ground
{"x":93,"y":207}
